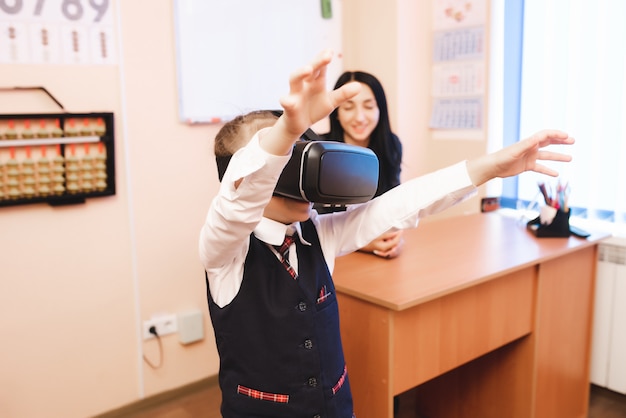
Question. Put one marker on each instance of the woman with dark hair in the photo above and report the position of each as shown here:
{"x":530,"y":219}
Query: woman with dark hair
{"x":364,"y":121}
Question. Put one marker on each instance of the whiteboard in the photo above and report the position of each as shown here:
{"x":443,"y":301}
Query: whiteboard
{"x":234,"y":56}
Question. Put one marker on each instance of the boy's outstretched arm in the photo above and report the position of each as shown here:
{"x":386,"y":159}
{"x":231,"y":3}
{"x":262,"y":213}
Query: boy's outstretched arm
{"x":308,"y":102}
{"x":520,"y":157}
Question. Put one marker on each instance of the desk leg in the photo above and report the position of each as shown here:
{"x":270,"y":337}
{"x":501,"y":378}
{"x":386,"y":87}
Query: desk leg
{"x":563,"y":334}
{"x":365,"y":330}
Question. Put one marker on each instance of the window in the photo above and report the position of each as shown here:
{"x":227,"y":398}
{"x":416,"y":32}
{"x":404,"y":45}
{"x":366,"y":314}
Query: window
{"x":565,"y":68}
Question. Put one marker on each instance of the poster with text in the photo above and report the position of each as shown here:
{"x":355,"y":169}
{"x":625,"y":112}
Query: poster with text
{"x":57,"y":32}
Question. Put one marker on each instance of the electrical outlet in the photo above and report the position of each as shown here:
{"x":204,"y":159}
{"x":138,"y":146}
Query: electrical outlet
{"x":164,"y":325}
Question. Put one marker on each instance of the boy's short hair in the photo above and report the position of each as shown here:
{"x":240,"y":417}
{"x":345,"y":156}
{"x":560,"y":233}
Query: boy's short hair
{"x":236,"y":133}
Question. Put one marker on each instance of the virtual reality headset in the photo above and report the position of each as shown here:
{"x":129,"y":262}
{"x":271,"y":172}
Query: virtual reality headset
{"x":324,"y":171}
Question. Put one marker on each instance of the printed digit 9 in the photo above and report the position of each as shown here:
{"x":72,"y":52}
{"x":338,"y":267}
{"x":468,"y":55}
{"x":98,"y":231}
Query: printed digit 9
{"x":99,"y":6}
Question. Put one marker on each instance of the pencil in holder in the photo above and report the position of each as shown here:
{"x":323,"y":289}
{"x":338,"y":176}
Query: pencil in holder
{"x":551,"y":222}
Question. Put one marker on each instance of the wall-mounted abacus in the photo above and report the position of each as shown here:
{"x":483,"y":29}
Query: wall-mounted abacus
{"x":57,"y":158}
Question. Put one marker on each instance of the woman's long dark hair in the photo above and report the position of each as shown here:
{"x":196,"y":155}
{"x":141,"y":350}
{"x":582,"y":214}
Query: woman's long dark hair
{"x":385,"y":144}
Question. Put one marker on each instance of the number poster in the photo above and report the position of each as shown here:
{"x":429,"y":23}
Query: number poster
{"x":57,"y":32}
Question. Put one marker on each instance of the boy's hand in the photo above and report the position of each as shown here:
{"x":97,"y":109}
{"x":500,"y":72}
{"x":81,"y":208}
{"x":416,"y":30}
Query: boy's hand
{"x":520,"y":157}
{"x":308,"y":100}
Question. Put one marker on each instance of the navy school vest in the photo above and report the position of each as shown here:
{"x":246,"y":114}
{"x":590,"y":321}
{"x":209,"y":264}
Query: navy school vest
{"x":278,"y":340}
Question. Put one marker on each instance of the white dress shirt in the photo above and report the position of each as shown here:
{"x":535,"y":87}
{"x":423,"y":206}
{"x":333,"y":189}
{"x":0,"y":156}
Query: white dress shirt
{"x":236,"y":212}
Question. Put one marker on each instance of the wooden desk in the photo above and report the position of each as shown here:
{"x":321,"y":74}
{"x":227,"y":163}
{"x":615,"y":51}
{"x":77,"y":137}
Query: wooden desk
{"x":486,"y":319}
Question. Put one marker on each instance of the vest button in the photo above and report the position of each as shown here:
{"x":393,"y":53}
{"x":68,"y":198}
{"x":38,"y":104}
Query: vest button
{"x":312,"y":382}
{"x":302,"y":306}
{"x":308,"y":344}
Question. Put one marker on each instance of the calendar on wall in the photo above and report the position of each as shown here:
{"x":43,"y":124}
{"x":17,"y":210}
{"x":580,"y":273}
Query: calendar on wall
{"x":459,"y":65}
{"x":65,"y":32}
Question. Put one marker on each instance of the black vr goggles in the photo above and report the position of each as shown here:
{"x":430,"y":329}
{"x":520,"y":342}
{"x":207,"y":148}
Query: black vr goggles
{"x":329,"y":172}
{"x":326,"y":172}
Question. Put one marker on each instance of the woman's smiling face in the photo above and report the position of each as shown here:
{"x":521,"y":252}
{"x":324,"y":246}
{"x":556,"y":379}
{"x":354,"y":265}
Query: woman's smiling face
{"x":358,"y":117}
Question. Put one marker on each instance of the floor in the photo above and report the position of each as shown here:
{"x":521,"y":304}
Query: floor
{"x":603,"y":403}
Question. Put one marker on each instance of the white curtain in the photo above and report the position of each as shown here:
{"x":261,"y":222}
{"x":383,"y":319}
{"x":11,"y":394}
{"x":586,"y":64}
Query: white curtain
{"x":574,"y":79}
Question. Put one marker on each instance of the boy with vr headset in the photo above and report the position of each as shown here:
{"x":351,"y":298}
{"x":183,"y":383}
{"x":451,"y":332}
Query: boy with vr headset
{"x":275,"y":314}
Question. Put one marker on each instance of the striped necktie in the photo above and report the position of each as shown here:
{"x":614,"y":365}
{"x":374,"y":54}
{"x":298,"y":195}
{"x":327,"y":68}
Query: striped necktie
{"x":283,"y":251}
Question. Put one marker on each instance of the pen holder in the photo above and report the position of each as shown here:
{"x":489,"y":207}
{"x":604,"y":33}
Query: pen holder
{"x":550,"y":223}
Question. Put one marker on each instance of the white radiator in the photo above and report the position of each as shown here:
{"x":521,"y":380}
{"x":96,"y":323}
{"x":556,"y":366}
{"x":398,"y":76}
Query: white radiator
{"x":608,"y":354}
